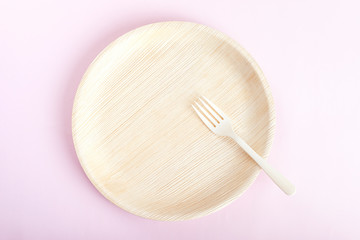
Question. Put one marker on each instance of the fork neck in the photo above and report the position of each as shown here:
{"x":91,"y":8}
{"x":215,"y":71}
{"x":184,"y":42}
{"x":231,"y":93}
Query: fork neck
{"x":234,"y":136}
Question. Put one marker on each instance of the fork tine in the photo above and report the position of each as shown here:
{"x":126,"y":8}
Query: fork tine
{"x":207,"y":115}
{"x":215,"y":115}
{"x":209,"y":124}
{"x":218,"y":111}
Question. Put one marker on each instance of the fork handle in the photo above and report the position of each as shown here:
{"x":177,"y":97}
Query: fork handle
{"x":285,"y":185}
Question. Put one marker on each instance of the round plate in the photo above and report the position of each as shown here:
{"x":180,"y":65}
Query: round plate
{"x":137,"y":137}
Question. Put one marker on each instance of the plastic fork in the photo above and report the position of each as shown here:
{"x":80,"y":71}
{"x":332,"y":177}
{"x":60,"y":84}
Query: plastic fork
{"x":220,"y":124}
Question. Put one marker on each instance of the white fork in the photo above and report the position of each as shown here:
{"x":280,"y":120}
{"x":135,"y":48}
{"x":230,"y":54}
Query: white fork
{"x":220,"y":124}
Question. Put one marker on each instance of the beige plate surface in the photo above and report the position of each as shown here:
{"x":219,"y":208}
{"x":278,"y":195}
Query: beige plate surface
{"x":137,"y":137}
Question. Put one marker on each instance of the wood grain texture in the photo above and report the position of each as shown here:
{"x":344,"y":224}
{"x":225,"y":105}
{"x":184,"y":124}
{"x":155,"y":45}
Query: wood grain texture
{"x":137,"y":137}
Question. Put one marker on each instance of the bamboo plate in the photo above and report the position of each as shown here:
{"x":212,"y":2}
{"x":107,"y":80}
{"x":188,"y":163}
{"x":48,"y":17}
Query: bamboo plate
{"x":137,"y":137}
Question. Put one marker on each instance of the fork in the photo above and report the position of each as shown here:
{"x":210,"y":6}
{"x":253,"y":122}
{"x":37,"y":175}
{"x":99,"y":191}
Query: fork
{"x":220,"y":124}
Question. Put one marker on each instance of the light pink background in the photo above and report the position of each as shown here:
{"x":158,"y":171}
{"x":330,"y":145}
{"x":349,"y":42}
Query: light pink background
{"x":310,"y":54}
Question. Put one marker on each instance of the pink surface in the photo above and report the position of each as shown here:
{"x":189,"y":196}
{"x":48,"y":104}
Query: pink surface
{"x":310,"y":54}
